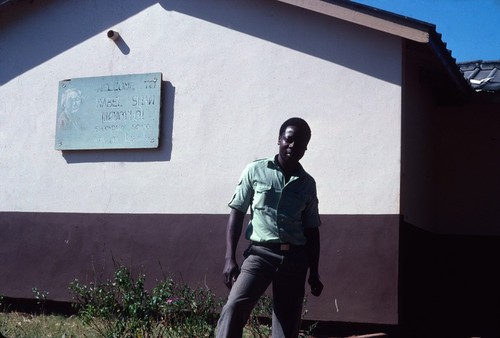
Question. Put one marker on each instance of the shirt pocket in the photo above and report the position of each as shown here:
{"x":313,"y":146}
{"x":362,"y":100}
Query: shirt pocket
{"x":263,"y":196}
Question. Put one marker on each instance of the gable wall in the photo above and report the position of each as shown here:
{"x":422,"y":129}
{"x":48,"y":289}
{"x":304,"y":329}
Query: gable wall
{"x":232,"y":75}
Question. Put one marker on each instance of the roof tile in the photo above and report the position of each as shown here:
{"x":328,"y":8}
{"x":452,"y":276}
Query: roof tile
{"x":482,"y":75}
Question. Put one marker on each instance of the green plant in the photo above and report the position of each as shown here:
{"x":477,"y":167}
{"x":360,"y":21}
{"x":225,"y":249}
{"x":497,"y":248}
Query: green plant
{"x":122,"y":307}
{"x":41,"y":298}
{"x":259,"y":323}
{"x":307,"y":332}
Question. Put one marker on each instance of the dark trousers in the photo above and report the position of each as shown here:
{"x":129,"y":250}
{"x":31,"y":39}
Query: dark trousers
{"x":261,"y":267}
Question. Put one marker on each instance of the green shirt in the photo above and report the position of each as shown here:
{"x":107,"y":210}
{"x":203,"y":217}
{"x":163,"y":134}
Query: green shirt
{"x":279,"y":211}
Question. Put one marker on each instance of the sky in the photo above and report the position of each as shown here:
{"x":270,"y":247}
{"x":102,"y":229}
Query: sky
{"x":470,"y":28}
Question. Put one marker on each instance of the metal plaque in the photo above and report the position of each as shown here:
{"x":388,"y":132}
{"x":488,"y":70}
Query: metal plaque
{"x":109,"y":112}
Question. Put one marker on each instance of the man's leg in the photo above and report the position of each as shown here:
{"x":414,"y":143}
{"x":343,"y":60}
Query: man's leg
{"x":288,"y":296}
{"x":255,"y":276}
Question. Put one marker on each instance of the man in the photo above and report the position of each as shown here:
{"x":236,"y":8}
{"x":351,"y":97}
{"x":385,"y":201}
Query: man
{"x":284,"y":235}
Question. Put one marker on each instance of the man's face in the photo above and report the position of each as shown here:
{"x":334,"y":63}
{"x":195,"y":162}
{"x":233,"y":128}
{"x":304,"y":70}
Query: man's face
{"x":292,"y":145}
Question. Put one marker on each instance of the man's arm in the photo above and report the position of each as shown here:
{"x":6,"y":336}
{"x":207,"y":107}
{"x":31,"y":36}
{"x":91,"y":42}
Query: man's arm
{"x":233,"y":233}
{"x":313,"y":252}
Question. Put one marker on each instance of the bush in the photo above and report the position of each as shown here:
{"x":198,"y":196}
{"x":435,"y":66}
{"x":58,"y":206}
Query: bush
{"x":259,"y":324}
{"x":122,"y":307}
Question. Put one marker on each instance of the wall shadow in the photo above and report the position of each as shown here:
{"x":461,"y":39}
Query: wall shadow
{"x":260,"y":18}
{"x":162,"y":153}
{"x":73,"y":22}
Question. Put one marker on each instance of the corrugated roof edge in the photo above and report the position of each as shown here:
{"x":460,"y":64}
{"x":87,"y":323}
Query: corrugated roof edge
{"x":9,"y":2}
{"x":434,"y":40}
{"x":444,"y":55}
{"x":436,"y":43}
{"x":383,"y":14}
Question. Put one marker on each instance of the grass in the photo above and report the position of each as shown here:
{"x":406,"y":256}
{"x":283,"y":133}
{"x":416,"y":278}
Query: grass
{"x":121,"y":307}
{"x":23,"y":325}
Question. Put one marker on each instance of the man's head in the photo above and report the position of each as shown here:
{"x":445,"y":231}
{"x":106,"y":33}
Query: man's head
{"x":293,"y":139}
{"x":298,"y":122}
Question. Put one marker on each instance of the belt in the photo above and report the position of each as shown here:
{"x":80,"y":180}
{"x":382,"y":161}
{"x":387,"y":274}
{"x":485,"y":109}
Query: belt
{"x":287,"y":247}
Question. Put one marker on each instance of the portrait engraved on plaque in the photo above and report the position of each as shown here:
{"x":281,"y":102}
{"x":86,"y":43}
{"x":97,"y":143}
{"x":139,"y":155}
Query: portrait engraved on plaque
{"x":71,"y":101}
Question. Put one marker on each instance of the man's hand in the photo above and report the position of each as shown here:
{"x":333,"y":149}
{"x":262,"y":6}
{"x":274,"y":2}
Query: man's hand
{"x":316,"y":285}
{"x":231,"y":272}
{"x":233,"y":232}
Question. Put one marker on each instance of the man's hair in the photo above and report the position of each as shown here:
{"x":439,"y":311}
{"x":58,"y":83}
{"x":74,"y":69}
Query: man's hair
{"x":297,"y":122}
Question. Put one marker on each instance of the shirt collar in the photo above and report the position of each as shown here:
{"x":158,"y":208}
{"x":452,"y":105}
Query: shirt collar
{"x":273,"y":163}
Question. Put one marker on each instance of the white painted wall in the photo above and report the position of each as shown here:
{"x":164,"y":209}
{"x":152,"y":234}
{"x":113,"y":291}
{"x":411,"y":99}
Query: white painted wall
{"x":237,"y":70}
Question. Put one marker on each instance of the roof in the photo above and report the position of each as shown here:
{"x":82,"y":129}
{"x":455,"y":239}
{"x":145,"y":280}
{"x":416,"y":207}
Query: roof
{"x":416,"y":31}
{"x":369,"y":17}
{"x":483,"y":76}
{"x":477,"y":75}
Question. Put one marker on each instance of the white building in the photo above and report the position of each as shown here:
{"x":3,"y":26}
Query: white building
{"x":397,"y":133}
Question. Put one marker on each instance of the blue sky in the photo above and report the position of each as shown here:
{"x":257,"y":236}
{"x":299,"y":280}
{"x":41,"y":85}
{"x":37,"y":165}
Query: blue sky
{"x":471,"y":28}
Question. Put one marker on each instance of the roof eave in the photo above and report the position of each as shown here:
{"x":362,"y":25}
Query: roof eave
{"x":449,"y":63}
{"x":390,"y":23}
{"x":351,"y":12}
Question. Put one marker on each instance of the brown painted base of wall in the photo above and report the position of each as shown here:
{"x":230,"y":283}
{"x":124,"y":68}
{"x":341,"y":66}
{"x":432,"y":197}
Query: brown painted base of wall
{"x":35,"y":307}
{"x":376,"y":271}
{"x":359,"y":257}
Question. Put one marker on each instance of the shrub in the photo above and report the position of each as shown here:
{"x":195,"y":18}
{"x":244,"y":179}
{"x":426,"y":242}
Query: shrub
{"x":259,"y":324}
{"x":122,"y":307}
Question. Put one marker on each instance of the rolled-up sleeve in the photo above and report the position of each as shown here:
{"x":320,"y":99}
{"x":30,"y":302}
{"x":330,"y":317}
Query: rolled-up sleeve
{"x":310,"y":215}
{"x":243,"y":195}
